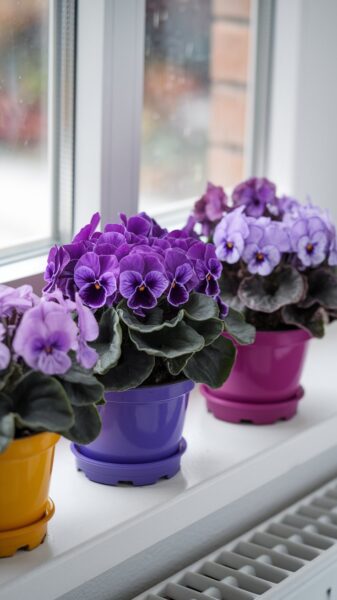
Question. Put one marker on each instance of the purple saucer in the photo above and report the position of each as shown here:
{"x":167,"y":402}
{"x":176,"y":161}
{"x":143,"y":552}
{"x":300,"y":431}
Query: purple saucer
{"x":136,"y":474}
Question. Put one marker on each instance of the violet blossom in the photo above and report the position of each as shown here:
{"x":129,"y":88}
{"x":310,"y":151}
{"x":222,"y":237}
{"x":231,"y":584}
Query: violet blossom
{"x":142,"y":280}
{"x":96,"y":278}
{"x":254,"y":194}
{"x":230,"y":235}
{"x":209,"y":209}
{"x":16,"y":299}
{"x":181,"y":276}
{"x":207,"y":268}
{"x":310,"y":240}
{"x":5,"y":355}
{"x":44,"y":338}
{"x":265,"y":244}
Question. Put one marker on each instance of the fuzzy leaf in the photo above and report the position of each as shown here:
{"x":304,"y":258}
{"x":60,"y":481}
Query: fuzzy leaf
{"x":322,"y":289}
{"x":154,"y":322}
{"x":86,"y":427}
{"x":132,"y":370}
{"x":40,"y":402}
{"x":213,"y":364}
{"x":311,"y":319}
{"x":7,"y":421}
{"x":268,"y":294}
{"x":201,"y":307}
{"x":209,"y":330}
{"x":236,"y":326}
{"x":176,"y":365}
{"x":90,"y":391}
{"x":229,"y":284}
{"x":168,"y":343}
{"x":109,"y":341}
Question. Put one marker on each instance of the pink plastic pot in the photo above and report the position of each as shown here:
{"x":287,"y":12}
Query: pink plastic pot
{"x":264,"y":385}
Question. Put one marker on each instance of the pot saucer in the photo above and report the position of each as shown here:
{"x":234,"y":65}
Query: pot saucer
{"x":26,"y":538}
{"x":264,"y":413}
{"x":137,"y":474}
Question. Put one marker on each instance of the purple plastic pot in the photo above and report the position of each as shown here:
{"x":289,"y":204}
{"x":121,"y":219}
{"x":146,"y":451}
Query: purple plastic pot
{"x":264,"y":385}
{"x":141,"y":437}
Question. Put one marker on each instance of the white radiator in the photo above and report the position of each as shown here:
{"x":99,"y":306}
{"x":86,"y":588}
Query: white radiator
{"x":292,"y":556}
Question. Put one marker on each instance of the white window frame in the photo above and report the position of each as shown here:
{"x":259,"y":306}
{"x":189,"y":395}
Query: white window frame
{"x":106,"y":147}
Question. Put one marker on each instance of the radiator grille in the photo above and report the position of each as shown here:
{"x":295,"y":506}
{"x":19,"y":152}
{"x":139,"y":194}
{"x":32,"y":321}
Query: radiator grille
{"x":265,"y":559}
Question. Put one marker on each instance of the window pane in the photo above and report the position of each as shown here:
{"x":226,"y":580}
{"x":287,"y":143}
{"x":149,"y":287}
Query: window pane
{"x":195,"y":97}
{"x":26,"y":204}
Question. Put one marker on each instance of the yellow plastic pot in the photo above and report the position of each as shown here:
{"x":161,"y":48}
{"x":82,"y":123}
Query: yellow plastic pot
{"x":25,"y":509}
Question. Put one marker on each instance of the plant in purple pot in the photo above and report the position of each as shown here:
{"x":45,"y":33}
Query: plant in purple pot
{"x":155,"y":296}
{"x":279,"y":262}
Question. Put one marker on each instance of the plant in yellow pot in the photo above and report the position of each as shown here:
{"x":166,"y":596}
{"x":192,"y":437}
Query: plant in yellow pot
{"x":47,"y":389}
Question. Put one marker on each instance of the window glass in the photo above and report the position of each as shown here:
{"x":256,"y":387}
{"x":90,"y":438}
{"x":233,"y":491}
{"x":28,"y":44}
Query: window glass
{"x":26,"y":203}
{"x":194,"y":122}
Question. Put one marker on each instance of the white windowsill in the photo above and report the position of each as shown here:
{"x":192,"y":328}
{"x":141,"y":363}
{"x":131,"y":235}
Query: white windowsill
{"x":97,"y":527}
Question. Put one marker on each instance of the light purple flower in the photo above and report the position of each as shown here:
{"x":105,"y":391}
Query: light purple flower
{"x":310,"y":241}
{"x":264,"y":245}
{"x":207,"y":268}
{"x":230,"y":234}
{"x":5,"y":355}
{"x":142,"y":280}
{"x":254,"y":194}
{"x":181,"y":276}
{"x":96,"y":278}
{"x":210,"y":207}
{"x":16,"y":299}
{"x":44,"y":337}
{"x":58,"y":258}
{"x":88,"y":332}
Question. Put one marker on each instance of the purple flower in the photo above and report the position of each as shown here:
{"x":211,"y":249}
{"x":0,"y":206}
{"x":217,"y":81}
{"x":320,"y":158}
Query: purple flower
{"x":96,"y":278}
{"x":207,"y":267}
{"x":87,"y":232}
{"x":181,"y":276}
{"x":283,"y":205}
{"x":112,"y":242}
{"x":255,"y":194}
{"x":58,"y":258}
{"x":137,"y":226}
{"x":5,"y":355}
{"x":155,"y":230}
{"x":210,"y":207}
{"x":188,"y":229}
{"x":230,"y":235}
{"x":264,"y":245}
{"x":44,"y":337}
{"x":16,"y":299}
{"x":142,"y":280}
{"x":88,"y":331}
{"x":310,"y":240}
{"x":223,"y":308}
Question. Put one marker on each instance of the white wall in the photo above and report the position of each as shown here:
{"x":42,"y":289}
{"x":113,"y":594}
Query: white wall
{"x":303,"y":124}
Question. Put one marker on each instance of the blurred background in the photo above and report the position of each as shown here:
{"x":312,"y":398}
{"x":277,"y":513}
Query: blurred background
{"x":214,"y":100}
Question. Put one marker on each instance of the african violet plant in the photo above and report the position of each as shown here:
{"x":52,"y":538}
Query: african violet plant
{"x":46,"y":367}
{"x":279,"y":257}
{"x":155,"y":295}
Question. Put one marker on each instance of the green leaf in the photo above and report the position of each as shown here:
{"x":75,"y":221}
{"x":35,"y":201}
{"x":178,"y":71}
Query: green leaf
{"x":168,"y":343}
{"x":40,"y":402}
{"x":86,"y":427}
{"x":176,"y":365}
{"x":132,"y":370}
{"x":109,"y":341}
{"x":229,"y":284}
{"x":89,"y":391}
{"x":201,"y":307}
{"x":7,"y":421}
{"x":311,"y":319}
{"x":209,"y":329}
{"x":322,"y":289}
{"x":213,"y":364}
{"x":268,"y":294}
{"x":238,"y":328}
{"x":153,"y":322}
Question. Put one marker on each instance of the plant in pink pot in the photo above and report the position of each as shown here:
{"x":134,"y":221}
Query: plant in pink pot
{"x":155,"y":296}
{"x":279,"y":272}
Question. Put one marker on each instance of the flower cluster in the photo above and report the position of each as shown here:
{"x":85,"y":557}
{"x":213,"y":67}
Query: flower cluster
{"x":43,"y":352}
{"x":136,"y":260}
{"x":259,"y":233}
